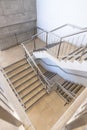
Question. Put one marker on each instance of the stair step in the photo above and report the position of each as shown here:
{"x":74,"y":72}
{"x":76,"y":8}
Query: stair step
{"x":64,"y":96}
{"x":69,"y":86}
{"x":67,"y":83}
{"x":30,"y":88}
{"x":64,"y":83}
{"x":21,"y":74}
{"x":74,"y":52}
{"x":32,"y":94}
{"x":25,"y":78}
{"x":49,"y":74}
{"x":35,"y":99}
{"x":15,"y":65}
{"x":80,"y":51}
{"x":18,"y":70}
{"x":77,"y":89}
{"x":26,"y":84}
{"x":73,"y":87}
{"x":29,"y":95}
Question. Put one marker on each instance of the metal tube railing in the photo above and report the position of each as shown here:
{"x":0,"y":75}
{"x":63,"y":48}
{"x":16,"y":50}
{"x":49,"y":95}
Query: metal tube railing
{"x":38,"y":70}
{"x":71,"y":25}
{"x":56,"y":66}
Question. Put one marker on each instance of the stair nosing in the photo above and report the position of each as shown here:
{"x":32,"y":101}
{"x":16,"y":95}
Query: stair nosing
{"x":28,"y":86}
{"x":14,"y":63}
{"x":15,"y":68}
{"x":23,"y":77}
{"x":25,"y":81}
{"x":33,"y":96}
{"x":35,"y":102}
{"x":19,"y":72}
{"x":31,"y":91}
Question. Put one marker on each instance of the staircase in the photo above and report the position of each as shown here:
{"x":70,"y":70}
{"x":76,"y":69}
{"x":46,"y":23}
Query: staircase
{"x":26,"y":82}
{"x":69,"y":52}
{"x":74,"y":89}
{"x":66,"y":89}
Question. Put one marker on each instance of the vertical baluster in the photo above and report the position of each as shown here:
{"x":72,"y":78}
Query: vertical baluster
{"x":85,"y":47}
{"x":63,"y":49}
{"x":46,"y":38}
{"x":69,"y":47}
{"x":35,"y":43}
{"x":59,"y":48}
{"x":75,"y":41}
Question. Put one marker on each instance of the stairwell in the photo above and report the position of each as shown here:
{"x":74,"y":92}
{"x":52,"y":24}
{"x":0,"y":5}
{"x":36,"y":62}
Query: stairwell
{"x":67,"y":90}
{"x":69,"y":52}
{"x":26,"y":82}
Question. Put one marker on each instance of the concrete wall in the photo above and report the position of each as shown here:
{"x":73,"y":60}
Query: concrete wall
{"x":17,"y":18}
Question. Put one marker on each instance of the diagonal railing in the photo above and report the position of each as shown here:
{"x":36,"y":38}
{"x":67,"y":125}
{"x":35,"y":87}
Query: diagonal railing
{"x":67,"y":46}
{"x":43,"y":79}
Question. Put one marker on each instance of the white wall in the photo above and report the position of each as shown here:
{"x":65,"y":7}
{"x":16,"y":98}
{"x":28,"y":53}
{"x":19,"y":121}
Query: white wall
{"x":14,"y":101}
{"x":66,"y":67}
{"x":53,"y":13}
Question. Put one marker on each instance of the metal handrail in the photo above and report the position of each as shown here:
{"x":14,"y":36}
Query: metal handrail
{"x":14,"y":90}
{"x":74,"y":34}
{"x":63,"y":38}
{"x":72,"y":95}
{"x":62,"y":69}
{"x":42,"y":29}
{"x":27,"y":52}
{"x":71,"y":25}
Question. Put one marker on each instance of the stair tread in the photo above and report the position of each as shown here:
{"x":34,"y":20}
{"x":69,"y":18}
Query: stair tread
{"x":30,"y":88}
{"x":21,"y":74}
{"x":27,"y":77}
{"x":15,"y":65}
{"x":18,"y":70}
{"x":33,"y":93}
{"x":69,"y":86}
{"x":25,"y":84}
{"x":77,"y":89}
{"x":35,"y":99}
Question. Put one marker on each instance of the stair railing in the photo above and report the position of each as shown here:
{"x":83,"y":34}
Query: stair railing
{"x":69,"y":93}
{"x":36,"y":68}
{"x":68,"y":25}
{"x":11,"y":85}
{"x":56,"y":66}
{"x":70,"y":43}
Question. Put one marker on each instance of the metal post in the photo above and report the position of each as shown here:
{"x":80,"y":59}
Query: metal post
{"x":59,"y":48}
{"x":35,"y":43}
{"x":46,"y":38}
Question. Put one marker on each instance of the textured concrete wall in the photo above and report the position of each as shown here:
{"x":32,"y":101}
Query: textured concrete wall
{"x":17,"y":18}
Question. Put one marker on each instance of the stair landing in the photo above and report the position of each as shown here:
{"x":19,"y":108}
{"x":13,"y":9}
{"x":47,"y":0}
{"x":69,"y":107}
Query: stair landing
{"x":45,"y":113}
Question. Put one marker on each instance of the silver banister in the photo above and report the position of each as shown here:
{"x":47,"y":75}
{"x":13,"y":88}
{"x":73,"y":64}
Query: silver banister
{"x":38,"y":70}
{"x":66,"y":91}
{"x":71,"y":25}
